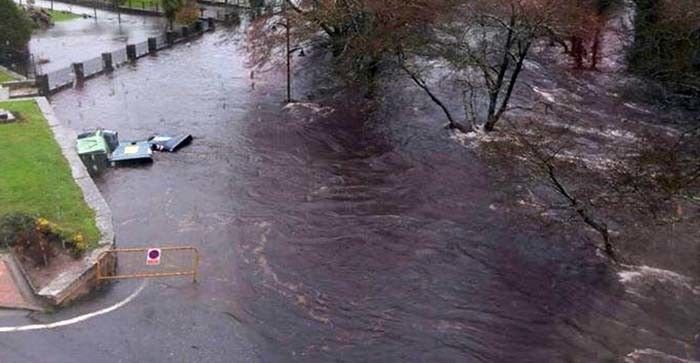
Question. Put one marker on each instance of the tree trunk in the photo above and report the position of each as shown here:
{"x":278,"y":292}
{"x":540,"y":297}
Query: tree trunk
{"x":495,"y":88}
{"x":595,"y":48}
{"x":577,"y":51}
{"x":372,"y":72}
{"x":586,"y":216}
{"x":494,"y":117}
{"x":452,"y":124}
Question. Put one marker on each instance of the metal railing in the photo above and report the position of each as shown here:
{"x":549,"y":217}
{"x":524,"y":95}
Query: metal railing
{"x":63,"y":78}
{"x":173,"y":262}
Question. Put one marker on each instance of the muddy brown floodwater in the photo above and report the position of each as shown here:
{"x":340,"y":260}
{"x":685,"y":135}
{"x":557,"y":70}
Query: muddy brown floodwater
{"x":331,"y":235}
{"x":82,"y":39}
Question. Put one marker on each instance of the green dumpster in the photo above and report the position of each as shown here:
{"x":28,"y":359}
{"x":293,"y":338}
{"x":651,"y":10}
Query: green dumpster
{"x":93,"y":151}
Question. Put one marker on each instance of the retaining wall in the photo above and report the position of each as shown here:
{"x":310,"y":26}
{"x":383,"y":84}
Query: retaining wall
{"x":80,"y":279}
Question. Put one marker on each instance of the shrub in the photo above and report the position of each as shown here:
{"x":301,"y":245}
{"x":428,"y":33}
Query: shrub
{"x":188,"y":13}
{"x":15,"y":27}
{"x":13,"y":227}
{"x":667,"y":43}
{"x":78,"y":245}
{"x":36,"y":239}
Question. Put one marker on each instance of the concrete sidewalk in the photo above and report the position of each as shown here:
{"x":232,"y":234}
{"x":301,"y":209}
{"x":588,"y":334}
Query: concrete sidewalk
{"x":11,"y":288}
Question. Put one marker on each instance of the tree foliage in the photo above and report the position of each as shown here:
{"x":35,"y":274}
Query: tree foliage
{"x":481,"y":44}
{"x":188,"y":13}
{"x":360,"y":34}
{"x":170,"y":10}
{"x":579,"y":29}
{"x":484,"y":44}
{"x":667,"y":42}
{"x":15,"y":27}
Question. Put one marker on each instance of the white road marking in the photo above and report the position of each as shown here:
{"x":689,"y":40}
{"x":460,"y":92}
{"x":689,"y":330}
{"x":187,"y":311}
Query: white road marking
{"x":77,"y":319}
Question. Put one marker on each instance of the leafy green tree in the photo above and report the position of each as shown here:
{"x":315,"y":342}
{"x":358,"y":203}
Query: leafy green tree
{"x":15,"y":27}
{"x":170,"y":9}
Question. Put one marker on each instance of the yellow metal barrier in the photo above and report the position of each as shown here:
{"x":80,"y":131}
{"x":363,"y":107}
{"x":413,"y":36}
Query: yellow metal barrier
{"x":145,"y":270}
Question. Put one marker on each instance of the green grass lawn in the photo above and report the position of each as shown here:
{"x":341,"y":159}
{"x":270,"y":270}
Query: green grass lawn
{"x":4,"y":77}
{"x":142,"y":4}
{"x":59,"y":16}
{"x":35,"y":177}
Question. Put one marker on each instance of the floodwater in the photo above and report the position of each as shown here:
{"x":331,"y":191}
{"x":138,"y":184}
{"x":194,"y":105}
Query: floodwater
{"x":85,"y":38}
{"x":334,"y":234}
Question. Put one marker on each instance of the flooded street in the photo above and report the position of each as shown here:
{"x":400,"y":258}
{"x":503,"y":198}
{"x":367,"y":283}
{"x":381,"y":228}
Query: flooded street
{"x":336,"y":235}
{"x":84,"y":38}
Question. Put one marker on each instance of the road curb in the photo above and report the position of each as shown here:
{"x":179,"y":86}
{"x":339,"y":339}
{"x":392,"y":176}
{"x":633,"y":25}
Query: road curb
{"x":80,"y":279}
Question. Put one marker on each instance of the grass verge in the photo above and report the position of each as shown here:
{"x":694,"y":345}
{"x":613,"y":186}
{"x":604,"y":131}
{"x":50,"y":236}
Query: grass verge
{"x":36,"y":178}
{"x":142,"y":4}
{"x":5,"y":77}
{"x":58,"y":16}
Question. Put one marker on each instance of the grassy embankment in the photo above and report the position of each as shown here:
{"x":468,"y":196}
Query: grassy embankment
{"x":5,"y":77}
{"x":58,"y":16}
{"x":142,"y":4}
{"x":36,"y":178}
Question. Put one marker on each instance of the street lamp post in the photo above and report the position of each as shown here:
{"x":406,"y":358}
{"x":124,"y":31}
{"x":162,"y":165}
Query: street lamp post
{"x":289,"y":58}
{"x":119,"y":14}
{"x":289,"y":51}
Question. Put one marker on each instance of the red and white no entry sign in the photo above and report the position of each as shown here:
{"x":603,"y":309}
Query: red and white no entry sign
{"x":153,"y":256}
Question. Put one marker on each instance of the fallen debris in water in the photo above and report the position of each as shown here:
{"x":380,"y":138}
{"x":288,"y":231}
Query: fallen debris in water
{"x":133,"y":151}
{"x":169,"y":143}
{"x":99,"y":149}
{"x":95,"y":148}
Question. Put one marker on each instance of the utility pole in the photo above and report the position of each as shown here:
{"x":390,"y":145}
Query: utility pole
{"x":115,"y":5}
{"x":289,"y":56}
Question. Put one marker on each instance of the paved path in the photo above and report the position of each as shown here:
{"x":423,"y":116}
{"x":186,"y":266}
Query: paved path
{"x":10,"y":296}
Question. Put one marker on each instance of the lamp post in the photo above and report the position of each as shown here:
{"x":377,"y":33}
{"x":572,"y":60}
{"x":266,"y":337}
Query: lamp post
{"x":116,"y":7}
{"x":289,"y":51}
{"x":289,"y":56}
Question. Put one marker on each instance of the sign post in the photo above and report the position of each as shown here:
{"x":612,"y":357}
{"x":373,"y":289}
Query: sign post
{"x":175,"y":266}
{"x":153,"y":257}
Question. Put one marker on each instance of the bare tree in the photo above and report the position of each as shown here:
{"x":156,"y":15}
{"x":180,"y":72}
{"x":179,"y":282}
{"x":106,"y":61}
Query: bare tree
{"x":485,"y":44}
{"x":579,"y":30}
{"x":653,"y":181}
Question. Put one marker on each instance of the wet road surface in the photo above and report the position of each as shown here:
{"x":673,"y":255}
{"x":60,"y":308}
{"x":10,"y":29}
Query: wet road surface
{"x":330,"y":235}
{"x":81,"y":39}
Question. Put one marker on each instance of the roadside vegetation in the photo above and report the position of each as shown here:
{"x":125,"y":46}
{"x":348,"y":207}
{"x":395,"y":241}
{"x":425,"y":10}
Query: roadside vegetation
{"x":41,"y":206}
{"x":5,"y":77}
{"x":60,"y":16}
{"x":667,"y":45}
{"x":142,"y":4}
{"x":183,"y":12}
{"x":15,"y":31}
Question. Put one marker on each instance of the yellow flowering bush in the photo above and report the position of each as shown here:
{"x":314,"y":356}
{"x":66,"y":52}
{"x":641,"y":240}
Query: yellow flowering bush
{"x":79,"y":244}
{"x":38,"y":239}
